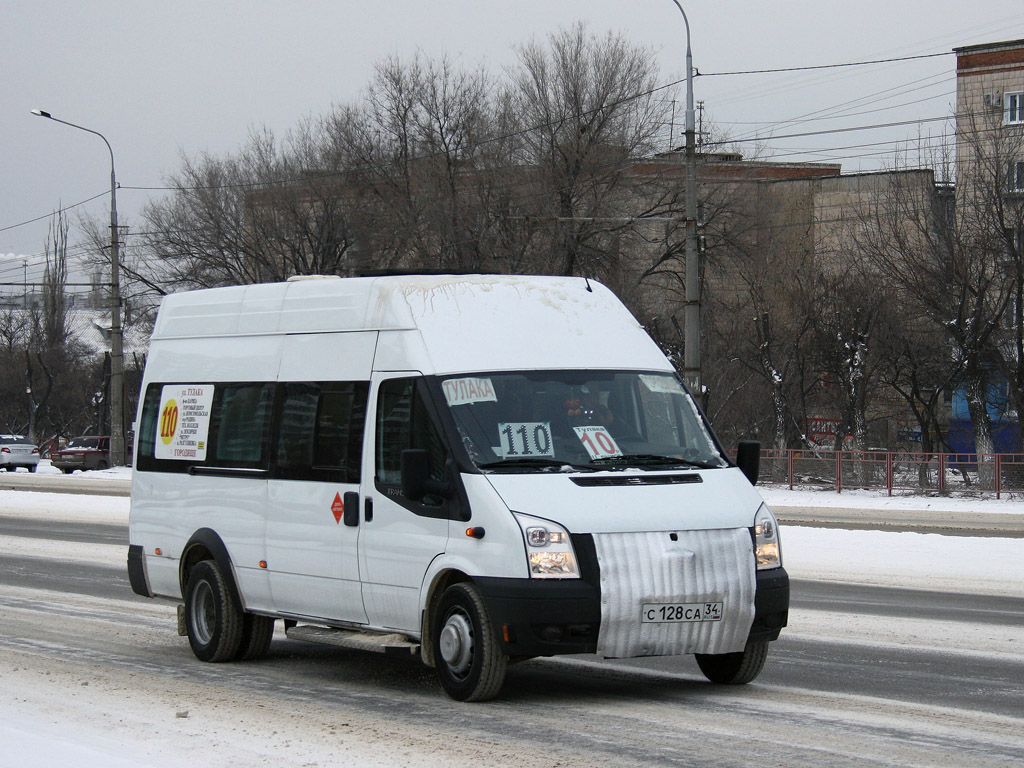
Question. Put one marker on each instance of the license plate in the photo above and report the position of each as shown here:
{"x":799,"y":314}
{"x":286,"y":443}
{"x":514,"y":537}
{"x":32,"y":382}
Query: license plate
{"x":675,"y":613}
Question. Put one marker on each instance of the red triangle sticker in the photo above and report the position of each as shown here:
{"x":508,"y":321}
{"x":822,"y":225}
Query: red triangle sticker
{"x":338,"y":508}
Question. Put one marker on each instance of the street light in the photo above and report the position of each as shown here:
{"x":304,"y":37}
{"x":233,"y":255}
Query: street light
{"x":116,"y":352}
{"x":691,"y":339}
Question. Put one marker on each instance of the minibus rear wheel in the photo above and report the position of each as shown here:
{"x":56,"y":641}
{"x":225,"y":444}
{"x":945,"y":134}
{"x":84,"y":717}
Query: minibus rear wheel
{"x":734,"y":668}
{"x":213,"y":622}
{"x":257,"y":632}
{"x":469,"y":661}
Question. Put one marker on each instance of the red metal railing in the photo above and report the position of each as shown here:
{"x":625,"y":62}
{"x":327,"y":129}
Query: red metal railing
{"x":998,"y":473}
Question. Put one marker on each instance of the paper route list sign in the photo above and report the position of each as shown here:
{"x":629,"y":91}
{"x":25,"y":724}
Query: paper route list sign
{"x":184,"y":425}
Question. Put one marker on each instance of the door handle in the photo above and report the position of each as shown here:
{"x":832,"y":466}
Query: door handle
{"x":351,"y":515}
{"x":368,"y":512}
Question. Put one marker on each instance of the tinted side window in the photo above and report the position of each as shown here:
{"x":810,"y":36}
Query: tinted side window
{"x":339,"y":437}
{"x":321,"y":431}
{"x":403,"y":422}
{"x":147,"y":426}
{"x":240,"y":426}
{"x":238,"y":433}
{"x":297,"y":429}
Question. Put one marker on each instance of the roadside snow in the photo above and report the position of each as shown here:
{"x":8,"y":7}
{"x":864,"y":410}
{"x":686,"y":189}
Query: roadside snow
{"x":118,"y":473}
{"x":878,"y":500}
{"x":65,"y":507}
{"x":987,"y":565}
{"x":40,"y":721}
{"x":912,"y":560}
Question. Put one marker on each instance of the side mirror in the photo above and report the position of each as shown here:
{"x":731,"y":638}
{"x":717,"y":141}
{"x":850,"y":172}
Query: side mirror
{"x":416,"y":480}
{"x":748,"y":459}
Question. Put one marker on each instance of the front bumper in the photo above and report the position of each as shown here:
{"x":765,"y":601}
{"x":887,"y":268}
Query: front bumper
{"x":540,"y":617}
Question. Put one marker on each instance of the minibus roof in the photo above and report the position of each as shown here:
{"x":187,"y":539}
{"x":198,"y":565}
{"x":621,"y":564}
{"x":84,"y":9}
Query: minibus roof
{"x":464,"y":322}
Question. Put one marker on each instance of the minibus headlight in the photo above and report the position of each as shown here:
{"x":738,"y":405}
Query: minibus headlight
{"x":549,"y":552}
{"x":767,"y":547}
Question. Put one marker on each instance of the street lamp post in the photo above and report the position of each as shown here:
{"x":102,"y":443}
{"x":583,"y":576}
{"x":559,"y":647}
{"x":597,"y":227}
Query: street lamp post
{"x":117,"y":452}
{"x":691,"y":339}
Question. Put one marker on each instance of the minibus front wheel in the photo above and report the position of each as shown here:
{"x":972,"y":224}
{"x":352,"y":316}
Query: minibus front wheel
{"x":212,"y":621}
{"x":469,"y":661}
{"x":734,"y":668}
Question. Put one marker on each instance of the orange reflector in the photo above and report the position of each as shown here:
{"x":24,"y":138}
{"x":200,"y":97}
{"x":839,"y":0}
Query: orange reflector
{"x":475,"y":533}
{"x":263,"y":563}
{"x":157,"y":551}
{"x":504,"y":630}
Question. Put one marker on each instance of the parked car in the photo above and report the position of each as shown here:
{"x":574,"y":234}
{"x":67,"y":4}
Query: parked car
{"x":85,"y":452}
{"x":18,"y":451}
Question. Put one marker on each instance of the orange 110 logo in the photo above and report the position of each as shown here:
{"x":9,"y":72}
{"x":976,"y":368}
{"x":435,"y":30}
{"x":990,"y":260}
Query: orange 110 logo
{"x":169,"y":421}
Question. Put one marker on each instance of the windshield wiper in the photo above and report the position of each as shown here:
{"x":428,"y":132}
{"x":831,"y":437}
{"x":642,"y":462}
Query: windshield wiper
{"x":527,"y":462}
{"x":650,"y":459}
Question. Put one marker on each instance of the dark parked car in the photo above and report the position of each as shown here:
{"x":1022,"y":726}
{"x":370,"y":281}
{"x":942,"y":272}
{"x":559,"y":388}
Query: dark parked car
{"x":17,"y":451}
{"x":86,"y":452}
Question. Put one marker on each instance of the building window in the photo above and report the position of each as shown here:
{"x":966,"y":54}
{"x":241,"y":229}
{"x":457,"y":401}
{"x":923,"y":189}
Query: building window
{"x":1015,"y":177}
{"x":1013,"y":108}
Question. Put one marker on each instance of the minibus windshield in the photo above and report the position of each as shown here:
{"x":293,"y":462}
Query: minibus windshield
{"x":592,"y":420}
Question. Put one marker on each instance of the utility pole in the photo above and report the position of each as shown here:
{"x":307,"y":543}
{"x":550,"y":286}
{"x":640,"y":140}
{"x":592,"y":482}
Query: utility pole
{"x":117,"y":452}
{"x":691,"y":330}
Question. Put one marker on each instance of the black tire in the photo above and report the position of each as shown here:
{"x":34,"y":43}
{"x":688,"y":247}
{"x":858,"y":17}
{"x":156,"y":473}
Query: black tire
{"x":213,"y":623}
{"x":467,"y":653}
{"x":31,"y":468}
{"x":100,"y":465}
{"x":257,"y":632}
{"x":67,"y":470}
{"x":734,"y":668}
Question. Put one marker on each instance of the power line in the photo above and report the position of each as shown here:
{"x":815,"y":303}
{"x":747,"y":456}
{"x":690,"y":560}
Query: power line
{"x":825,"y":66}
{"x":750,"y":138}
{"x":53,"y":213}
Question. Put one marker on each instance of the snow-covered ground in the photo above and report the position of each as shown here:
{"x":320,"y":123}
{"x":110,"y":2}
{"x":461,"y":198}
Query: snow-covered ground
{"x":914,"y":560}
{"x":778,"y":496}
{"x":927,"y":561}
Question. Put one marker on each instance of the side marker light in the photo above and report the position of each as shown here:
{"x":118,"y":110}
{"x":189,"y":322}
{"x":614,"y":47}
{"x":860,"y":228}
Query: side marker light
{"x":475,"y":533}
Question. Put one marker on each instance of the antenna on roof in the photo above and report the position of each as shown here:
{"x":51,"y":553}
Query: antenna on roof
{"x":587,"y":281}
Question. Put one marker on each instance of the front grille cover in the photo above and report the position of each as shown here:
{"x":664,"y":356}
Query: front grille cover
{"x":675,"y":567}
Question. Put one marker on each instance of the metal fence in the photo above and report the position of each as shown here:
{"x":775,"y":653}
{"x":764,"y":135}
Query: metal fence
{"x":994,"y":473}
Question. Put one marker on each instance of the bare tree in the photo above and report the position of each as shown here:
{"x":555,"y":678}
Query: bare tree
{"x":55,"y":276}
{"x":990,"y":213}
{"x":587,"y":108}
{"x":263,"y":215}
{"x":758,"y":299}
{"x":424,"y":164}
{"x":953,"y":271}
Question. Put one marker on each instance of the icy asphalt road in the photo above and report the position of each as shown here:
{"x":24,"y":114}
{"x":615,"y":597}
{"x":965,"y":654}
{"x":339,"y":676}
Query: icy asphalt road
{"x":864,"y":676}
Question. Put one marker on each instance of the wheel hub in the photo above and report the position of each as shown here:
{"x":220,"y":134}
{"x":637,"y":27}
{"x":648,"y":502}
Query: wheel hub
{"x":456,"y":644}
{"x":203,"y":612}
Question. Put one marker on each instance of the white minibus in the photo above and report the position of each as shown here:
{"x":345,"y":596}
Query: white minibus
{"x":473,"y":469}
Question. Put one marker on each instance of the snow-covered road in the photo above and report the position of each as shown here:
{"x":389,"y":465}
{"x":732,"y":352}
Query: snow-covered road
{"x":107,"y":682}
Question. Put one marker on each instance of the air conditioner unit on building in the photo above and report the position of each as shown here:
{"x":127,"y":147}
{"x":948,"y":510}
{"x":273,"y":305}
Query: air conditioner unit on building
{"x":994,"y":99}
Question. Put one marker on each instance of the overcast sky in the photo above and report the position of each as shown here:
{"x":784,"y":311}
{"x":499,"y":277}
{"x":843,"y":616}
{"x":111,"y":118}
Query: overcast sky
{"x":164,"y":79}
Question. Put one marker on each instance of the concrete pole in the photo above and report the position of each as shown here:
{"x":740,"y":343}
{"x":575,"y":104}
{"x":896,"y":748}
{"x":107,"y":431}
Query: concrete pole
{"x":691,"y":330}
{"x":117,"y":446}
